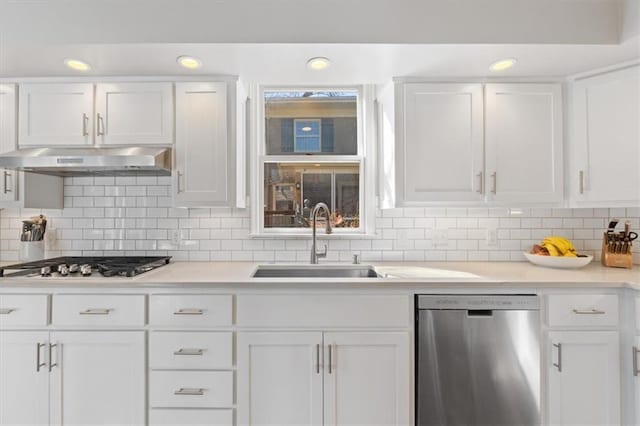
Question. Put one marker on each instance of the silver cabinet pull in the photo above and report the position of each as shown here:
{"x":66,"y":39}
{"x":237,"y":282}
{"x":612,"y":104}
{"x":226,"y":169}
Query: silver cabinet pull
{"x":591,"y":311}
{"x":480,"y":183}
{"x":7,"y":311}
{"x":96,"y":311}
{"x":189,"y":391}
{"x":180,"y":175}
{"x":51,"y":363}
{"x":186,"y":351}
{"x":99,"y":125}
{"x":85,"y":122}
{"x":559,"y":364}
{"x":317,"y":359}
{"x":6,"y":188}
{"x":330,"y":361}
{"x":581,"y":181}
{"x":494,"y":182}
{"x":189,"y":311}
{"x":636,"y":366}
{"x":38,"y":363}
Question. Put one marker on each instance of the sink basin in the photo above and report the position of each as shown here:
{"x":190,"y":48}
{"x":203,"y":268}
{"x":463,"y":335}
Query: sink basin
{"x":315,"y":271}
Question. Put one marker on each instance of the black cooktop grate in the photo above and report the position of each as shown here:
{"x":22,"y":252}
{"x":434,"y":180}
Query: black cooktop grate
{"x":108,"y":266}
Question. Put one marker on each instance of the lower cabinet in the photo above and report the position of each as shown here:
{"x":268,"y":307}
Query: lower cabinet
{"x":316,"y":378}
{"x":584,"y":378}
{"x":72,"y":378}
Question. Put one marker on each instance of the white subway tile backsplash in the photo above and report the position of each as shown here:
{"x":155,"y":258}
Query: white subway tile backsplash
{"x":128,"y":215}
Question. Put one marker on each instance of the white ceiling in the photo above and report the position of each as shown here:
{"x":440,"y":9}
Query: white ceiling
{"x":286,"y":63}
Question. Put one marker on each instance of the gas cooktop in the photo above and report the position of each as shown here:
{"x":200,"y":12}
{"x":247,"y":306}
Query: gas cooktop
{"x":84,"y":266}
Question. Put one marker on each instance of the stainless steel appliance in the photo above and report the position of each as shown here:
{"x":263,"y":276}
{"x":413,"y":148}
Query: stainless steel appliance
{"x":84,"y":266}
{"x":477,"y":360}
{"x":90,"y":161}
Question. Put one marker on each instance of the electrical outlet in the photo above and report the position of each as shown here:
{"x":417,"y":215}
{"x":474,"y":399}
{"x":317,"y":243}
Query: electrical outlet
{"x":492,"y":237}
{"x":176,"y":237}
{"x":440,"y":237}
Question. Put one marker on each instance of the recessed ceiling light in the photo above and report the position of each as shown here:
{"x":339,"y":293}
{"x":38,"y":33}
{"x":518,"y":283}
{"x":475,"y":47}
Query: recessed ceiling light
{"x":503,"y":64}
{"x":319,"y":63}
{"x":189,"y":62}
{"x":77,"y":65}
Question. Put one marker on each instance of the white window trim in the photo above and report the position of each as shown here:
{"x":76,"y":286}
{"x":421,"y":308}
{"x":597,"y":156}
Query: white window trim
{"x":366,"y":135}
{"x":296,"y":137}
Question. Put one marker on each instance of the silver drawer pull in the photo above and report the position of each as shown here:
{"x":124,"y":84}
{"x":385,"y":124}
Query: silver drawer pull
{"x":186,"y":351}
{"x":592,"y":311}
{"x":96,"y":311}
{"x":189,"y":391}
{"x":636,"y":366}
{"x":189,"y":311}
{"x":7,"y":311}
{"x":559,"y":364}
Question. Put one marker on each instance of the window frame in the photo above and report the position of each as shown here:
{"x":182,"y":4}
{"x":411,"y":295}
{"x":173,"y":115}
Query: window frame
{"x":364,"y":159}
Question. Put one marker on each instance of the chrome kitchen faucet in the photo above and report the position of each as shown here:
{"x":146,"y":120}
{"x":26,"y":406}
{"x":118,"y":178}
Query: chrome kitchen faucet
{"x":315,"y":255}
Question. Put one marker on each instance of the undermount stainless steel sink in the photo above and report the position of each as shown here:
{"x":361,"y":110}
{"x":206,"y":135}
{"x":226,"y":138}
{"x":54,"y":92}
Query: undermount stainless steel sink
{"x":315,"y":271}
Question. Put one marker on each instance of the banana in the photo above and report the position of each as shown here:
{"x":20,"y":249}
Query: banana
{"x":559,"y":246}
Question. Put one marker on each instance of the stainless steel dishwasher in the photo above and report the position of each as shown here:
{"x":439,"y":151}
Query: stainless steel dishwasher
{"x":477,"y":360}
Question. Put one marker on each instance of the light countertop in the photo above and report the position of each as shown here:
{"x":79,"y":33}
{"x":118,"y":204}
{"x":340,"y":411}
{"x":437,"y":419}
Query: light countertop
{"x":415,"y":275}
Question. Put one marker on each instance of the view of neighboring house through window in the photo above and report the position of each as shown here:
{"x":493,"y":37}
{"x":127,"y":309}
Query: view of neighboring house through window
{"x":311,"y":155}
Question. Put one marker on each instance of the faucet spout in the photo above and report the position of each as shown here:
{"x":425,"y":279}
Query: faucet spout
{"x":314,"y":215}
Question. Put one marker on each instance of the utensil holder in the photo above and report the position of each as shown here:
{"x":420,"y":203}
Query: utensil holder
{"x":31,"y":251}
{"x":616,"y":260}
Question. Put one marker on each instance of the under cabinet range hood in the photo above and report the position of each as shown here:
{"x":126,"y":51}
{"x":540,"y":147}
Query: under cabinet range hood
{"x":90,"y":161}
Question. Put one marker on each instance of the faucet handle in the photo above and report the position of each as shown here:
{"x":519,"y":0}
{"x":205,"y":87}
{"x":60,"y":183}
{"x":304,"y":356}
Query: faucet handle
{"x":356,"y":259}
{"x":322,"y":253}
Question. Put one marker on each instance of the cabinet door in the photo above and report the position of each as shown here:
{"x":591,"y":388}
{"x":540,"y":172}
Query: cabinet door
{"x":605,"y":166}
{"x":524,"y":142}
{"x":55,"y":114}
{"x":24,"y":378}
{"x":584,"y":378}
{"x":134,"y":113}
{"x":279,"y":378}
{"x":98,"y":378}
{"x":440,"y":143}
{"x":366,"y":379}
{"x":8,"y":127}
{"x":202,"y":160}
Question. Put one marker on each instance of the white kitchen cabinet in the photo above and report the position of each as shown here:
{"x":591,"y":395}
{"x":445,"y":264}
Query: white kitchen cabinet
{"x":204,"y":159}
{"x":134,"y":113}
{"x":366,"y":378}
{"x":8,"y":128}
{"x":55,"y":114}
{"x":345,"y":378}
{"x":583,"y":378}
{"x":523,"y":143}
{"x":605,"y":139}
{"x":24,"y":378}
{"x":280,"y":378}
{"x":98,"y":378}
{"x":439,"y":143}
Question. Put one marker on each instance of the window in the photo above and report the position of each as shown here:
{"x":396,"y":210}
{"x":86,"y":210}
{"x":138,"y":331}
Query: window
{"x":310,"y":151}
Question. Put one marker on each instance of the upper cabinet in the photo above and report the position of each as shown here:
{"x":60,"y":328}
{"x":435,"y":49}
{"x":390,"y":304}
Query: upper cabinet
{"x":134,"y":114}
{"x":55,"y":114}
{"x":440,"y":143}
{"x":444,"y":152}
{"x":605,"y":139}
{"x":523,"y":141}
{"x":8,"y":122}
{"x":204,"y":154}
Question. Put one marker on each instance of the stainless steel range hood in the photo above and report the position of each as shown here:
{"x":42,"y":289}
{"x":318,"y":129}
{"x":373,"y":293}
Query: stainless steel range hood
{"x":90,"y":161}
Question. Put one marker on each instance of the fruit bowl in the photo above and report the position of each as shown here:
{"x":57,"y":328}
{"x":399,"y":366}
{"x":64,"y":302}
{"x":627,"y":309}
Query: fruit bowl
{"x":559,"y":262}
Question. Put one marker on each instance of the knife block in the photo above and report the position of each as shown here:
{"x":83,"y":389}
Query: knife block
{"x":616,"y":260}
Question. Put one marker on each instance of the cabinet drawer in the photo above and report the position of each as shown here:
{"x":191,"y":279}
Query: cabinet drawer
{"x":588,"y":310}
{"x":190,"y":417}
{"x":17,"y":310}
{"x":323,"y":311}
{"x":98,"y":310}
{"x":195,"y":350}
{"x":191,"y":389}
{"x":190,"y":310}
